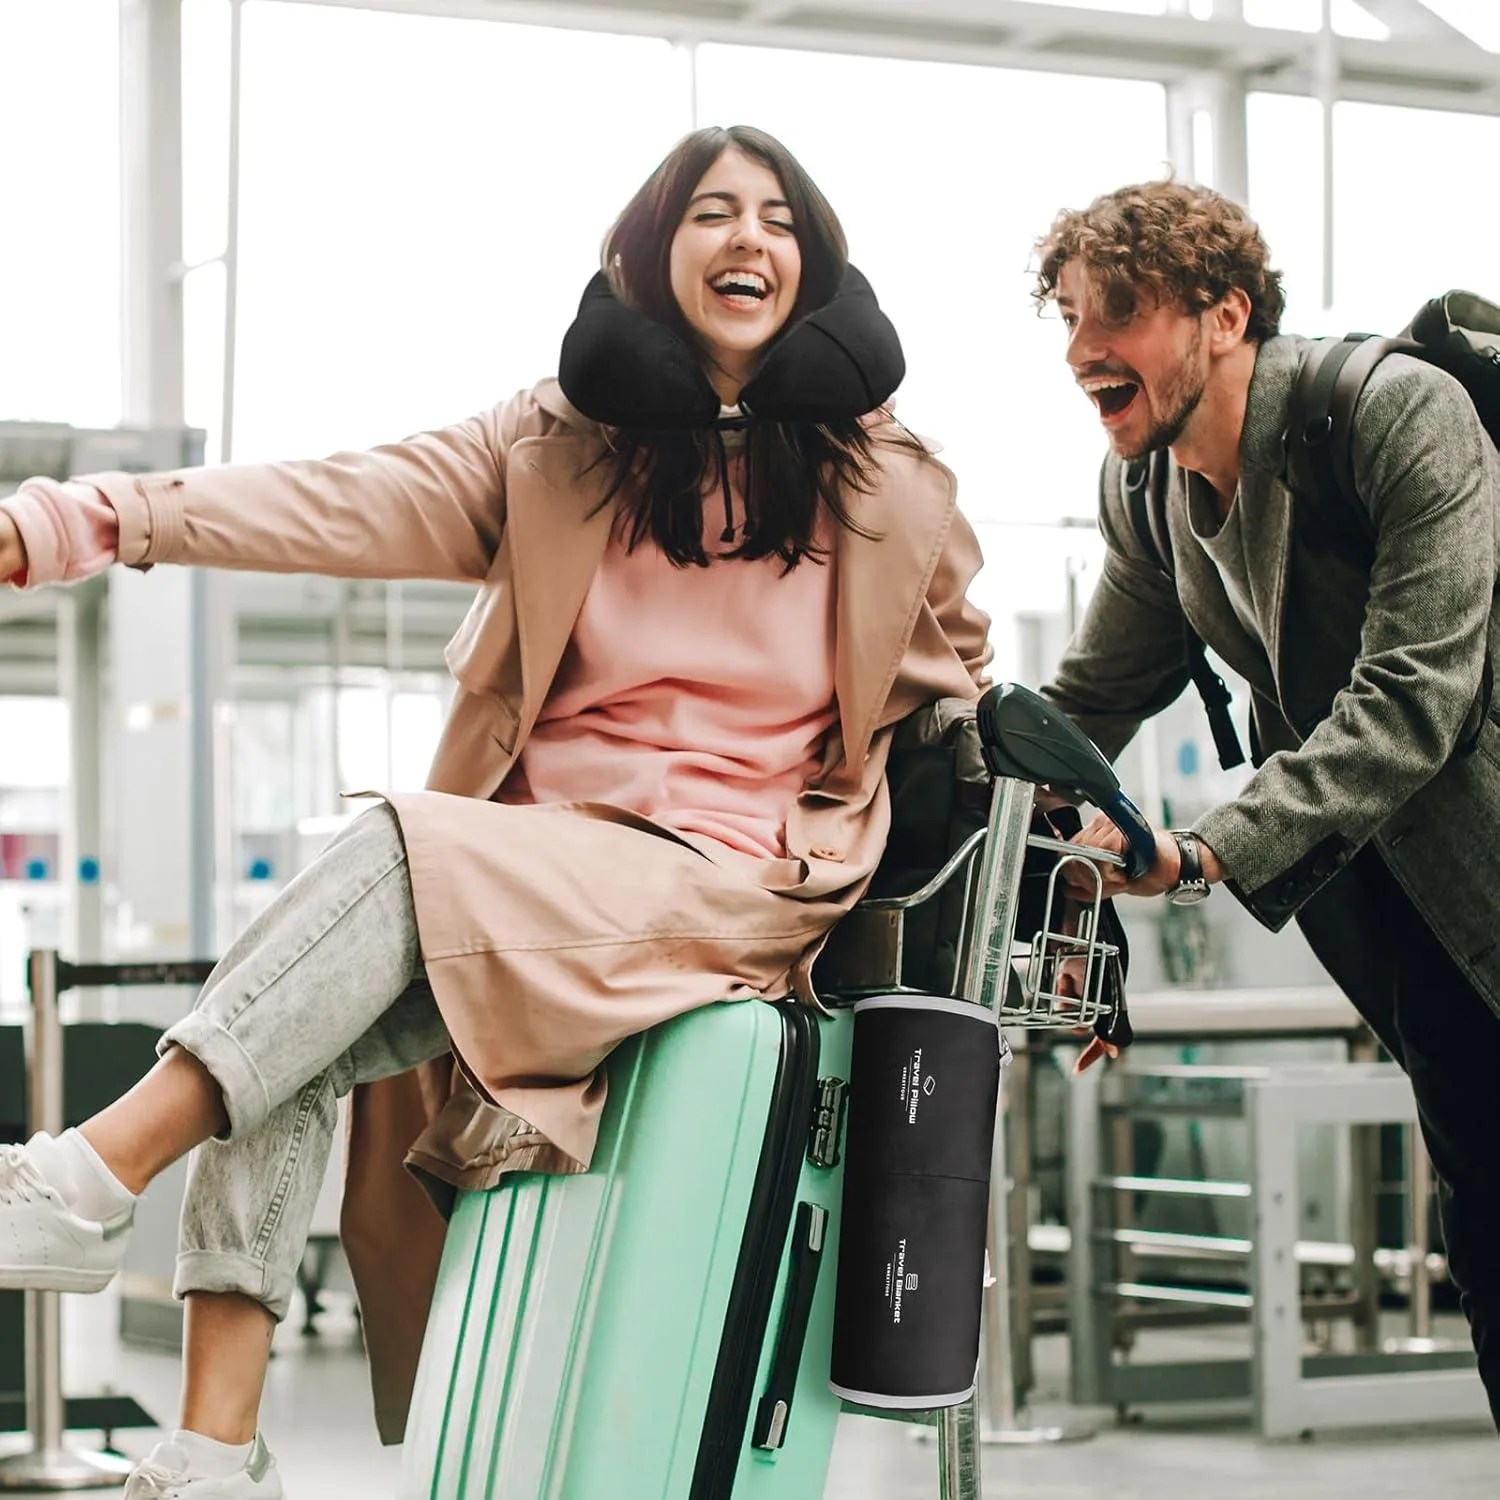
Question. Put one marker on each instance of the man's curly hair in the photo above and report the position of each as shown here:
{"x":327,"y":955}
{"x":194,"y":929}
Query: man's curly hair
{"x":1182,"y":245}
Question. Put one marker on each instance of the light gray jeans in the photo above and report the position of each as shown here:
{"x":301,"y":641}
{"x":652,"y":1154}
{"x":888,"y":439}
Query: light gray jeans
{"x":325,"y":989}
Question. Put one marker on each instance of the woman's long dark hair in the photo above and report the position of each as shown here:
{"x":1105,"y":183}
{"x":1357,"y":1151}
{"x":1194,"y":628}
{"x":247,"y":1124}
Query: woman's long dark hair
{"x":793,"y":467}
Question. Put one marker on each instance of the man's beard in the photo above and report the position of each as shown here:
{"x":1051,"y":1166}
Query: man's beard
{"x":1181,"y":400}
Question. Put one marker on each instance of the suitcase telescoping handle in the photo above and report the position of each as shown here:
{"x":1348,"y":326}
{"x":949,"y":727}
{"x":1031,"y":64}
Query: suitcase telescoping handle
{"x":1025,"y":737}
{"x":775,"y":1409}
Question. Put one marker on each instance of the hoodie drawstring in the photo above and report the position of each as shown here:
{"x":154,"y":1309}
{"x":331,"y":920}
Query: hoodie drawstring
{"x":723,"y":425}
{"x":727,"y":535}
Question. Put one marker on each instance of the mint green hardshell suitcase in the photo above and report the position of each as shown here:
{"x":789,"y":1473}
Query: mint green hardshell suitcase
{"x":657,"y":1328}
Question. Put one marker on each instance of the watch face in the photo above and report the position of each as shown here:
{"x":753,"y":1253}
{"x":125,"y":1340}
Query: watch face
{"x":1190,"y":894}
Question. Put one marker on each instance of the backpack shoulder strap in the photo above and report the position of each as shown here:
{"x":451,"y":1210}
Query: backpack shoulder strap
{"x":1320,"y":453}
{"x":1143,"y":483}
{"x":1320,"y":435}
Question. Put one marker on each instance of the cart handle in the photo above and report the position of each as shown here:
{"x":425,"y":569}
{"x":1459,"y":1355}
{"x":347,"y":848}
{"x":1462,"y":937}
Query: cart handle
{"x":1025,"y":737}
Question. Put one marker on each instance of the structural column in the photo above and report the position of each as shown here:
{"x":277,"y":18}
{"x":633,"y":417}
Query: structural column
{"x":168,"y":642}
{"x":1207,"y":139}
{"x":168,"y":635}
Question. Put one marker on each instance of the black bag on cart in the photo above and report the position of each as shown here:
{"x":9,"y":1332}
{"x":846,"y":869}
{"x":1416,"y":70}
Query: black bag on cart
{"x":940,"y":798}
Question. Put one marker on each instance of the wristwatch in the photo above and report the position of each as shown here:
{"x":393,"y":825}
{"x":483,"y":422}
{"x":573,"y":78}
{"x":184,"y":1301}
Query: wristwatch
{"x":1191,"y":887}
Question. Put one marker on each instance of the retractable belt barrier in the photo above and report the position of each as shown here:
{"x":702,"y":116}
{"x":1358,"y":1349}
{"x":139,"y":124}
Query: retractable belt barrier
{"x":48,"y":1464}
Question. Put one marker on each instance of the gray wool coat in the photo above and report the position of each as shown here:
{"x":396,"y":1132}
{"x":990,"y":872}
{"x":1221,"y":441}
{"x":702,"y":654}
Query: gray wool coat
{"x":1370,"y":685}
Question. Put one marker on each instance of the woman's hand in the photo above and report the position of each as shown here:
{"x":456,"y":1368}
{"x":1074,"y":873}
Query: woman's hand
{"x":12,"y":548}
{"x":1071,"y":974}
{"x":1049,"y":801}
{"x":1070,"y":979}
{"x":1091,"y":1054}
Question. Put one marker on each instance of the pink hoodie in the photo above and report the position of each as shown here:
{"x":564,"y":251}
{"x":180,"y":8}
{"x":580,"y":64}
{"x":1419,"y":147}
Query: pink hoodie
{"x":70,"y":531}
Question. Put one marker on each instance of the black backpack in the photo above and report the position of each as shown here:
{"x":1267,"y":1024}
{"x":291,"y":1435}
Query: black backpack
{"x":1458,"y":332}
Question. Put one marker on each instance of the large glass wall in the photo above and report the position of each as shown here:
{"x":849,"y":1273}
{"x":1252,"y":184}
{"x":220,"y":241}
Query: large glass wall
{"x":1404,"y":237}
{"x":423,"y":199}
{"x":59,"y":212}
{"x":59,"y":362}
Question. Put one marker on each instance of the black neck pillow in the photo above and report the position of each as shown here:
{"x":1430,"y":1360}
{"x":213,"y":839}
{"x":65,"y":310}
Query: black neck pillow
{"x":623,"y":369}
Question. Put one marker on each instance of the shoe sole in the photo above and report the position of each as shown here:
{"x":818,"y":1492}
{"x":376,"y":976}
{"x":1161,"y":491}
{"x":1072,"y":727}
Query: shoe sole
{"x":52,"y":1279}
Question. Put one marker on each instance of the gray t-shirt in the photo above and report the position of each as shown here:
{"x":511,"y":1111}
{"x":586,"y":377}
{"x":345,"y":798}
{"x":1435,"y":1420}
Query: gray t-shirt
{"x":1224,"y":541}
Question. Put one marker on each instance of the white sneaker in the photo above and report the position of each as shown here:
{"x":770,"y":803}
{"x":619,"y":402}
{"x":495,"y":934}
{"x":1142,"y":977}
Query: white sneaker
{"x":44,"y":1245}
{"x":164,"y":1475}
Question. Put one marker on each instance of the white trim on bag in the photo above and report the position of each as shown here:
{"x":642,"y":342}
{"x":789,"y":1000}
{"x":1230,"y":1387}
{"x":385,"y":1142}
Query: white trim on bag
{"x":902,"y":1403}
{"x":929,"y":1002}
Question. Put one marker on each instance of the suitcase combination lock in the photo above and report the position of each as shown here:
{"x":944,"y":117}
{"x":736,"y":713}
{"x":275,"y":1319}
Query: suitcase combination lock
{"x":827,"y":1122}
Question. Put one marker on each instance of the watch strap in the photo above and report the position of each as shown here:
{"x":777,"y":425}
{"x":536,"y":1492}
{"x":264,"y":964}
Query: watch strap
{"x":1191,"y":872}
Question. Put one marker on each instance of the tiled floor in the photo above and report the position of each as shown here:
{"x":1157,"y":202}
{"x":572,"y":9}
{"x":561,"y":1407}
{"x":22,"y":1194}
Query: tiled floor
{"x":317,"y":1417}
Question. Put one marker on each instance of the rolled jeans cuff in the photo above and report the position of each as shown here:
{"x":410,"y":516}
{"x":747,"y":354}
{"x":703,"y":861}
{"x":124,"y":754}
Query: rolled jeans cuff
{"x":218,"y":1271}
{"x":246,"y":1099}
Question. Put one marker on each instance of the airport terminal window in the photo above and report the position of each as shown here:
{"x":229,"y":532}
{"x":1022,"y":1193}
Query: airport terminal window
{"x":1478,"y":19}
{"x":60,"y":250}
{"x":387,"y":736}
{"x":1399,"y":243}
{"x":1349,"y":19}
{"x":1285,"y":136}
{"x":33,"y":786}
{"x":419,"y":215}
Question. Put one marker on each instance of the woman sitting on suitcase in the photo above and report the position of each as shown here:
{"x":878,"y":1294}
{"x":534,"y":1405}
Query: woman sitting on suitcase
{"x":713,"y":572}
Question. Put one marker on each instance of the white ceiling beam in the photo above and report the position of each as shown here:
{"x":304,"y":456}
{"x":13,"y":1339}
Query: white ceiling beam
{"x":1017,"y":34}
{"x":763,"y":12}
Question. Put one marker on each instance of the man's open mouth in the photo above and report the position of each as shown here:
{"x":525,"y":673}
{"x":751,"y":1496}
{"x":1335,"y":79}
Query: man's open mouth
{"x":1111,"y":395}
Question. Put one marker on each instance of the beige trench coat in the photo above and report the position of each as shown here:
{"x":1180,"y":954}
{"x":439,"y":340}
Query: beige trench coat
{"x":509,"y":501}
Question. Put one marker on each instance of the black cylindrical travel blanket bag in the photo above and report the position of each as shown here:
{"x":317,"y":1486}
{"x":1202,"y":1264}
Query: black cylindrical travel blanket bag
{"x":923,"y":1087}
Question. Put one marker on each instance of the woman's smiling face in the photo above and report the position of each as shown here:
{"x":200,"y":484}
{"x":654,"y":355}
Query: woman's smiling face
{"x":736,"y":266}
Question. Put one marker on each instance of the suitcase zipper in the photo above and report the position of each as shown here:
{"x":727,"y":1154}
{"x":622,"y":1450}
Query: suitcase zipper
{"x":766,"y":1224}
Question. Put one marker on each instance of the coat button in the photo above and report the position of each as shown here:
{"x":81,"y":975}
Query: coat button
{"x":822,"y":851}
